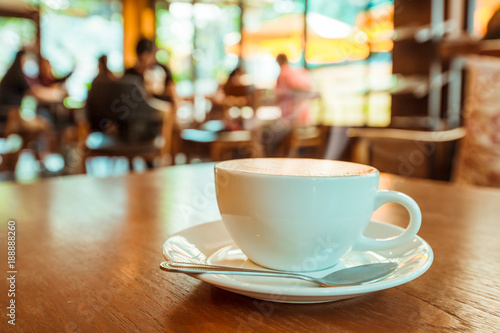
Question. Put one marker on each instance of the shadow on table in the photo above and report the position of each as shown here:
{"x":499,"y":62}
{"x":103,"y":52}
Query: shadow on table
{"x":261,"y":315}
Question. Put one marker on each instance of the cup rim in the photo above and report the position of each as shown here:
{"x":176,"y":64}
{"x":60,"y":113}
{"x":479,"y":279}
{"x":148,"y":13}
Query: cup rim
{"x":219,"y":166}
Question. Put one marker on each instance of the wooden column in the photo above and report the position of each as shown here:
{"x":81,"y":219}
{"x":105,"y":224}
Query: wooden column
{"x":138,"y":22}
{"x":241,"y":4}
{"x":304,"y":40}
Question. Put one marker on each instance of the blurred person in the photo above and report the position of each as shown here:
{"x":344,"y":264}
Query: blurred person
{"x":234,"y":92}
{"x":53,"y":110}
{"x":157,"y":78}
{"x":121,"y":108}
{"x":103,"y":70}
{"x":14,"y":87}
{"x":46,"y":75}
{"x":97,"y":119}
{"x":293,"y":87}
{"x":235,"y":85}
{"x":145,"y":51}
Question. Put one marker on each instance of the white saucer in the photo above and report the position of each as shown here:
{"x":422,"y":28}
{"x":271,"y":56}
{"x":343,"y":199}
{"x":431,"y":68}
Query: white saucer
{"x":211,"y":243}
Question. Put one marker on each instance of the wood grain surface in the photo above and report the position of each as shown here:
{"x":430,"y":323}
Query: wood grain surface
{"x":88,"y":251}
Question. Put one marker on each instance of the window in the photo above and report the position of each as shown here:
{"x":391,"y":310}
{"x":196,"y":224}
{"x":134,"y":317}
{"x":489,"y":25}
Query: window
{"x":348,"y":49}
{"x":200,"y":43}
{"x":14,"y":34}
{"x":270,"y":29}
{"x":73,"y":39}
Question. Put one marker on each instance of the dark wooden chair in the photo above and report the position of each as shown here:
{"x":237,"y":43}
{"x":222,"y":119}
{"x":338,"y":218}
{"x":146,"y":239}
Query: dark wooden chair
{"x":222,"y":145}
{"x":423,"y":154}
{"x":308,"y":137}
{"x":124,"y":122}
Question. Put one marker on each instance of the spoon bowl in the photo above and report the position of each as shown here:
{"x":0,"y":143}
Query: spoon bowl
{"x":345,"y":277}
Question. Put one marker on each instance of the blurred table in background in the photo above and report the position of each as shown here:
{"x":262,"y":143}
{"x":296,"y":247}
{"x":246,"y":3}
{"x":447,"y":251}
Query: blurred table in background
{"x":88,"y":253}
{"x":221,"y":145}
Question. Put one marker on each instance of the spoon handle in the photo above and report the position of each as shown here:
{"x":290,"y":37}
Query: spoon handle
{"x":185,"y":267}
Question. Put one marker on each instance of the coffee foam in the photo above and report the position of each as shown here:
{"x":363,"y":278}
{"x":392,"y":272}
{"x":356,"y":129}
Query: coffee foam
{"x":299,"y":167}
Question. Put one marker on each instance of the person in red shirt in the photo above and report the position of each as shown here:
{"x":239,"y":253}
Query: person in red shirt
{"x":292,"y":88}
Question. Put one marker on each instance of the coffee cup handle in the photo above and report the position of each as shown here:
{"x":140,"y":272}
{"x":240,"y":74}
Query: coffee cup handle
{"x":383,"y":197}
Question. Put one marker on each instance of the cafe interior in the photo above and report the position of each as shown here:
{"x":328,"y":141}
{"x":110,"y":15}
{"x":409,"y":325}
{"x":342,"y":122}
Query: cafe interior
{"x":114,"y":112}
{"x":388,"y":84}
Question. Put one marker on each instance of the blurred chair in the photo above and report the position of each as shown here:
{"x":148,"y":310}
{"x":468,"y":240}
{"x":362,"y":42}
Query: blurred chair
{"x":412,"y":153}
{"x":10,"y":147}
{"x":309,"y":137}
{"x":196,"y":142}
{"x":303,"y":136}
{"x":227,"y":97}
{"x":221,"y":145}
{"x":243,"y":143}
{"x":125,"y":123}
{"x":18,"y":134}
{"x":478,"y":161}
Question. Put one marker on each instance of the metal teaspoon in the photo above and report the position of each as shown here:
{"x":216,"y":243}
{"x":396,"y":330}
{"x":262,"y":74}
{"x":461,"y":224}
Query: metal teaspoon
{"x":345,"y":277}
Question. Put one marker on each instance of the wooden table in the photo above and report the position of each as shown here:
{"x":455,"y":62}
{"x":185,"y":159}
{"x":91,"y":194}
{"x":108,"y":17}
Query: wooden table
{"x":219,"y":144}
{"x":88,"y":252}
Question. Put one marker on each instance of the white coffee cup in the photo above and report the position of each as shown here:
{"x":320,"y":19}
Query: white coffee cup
{"x":304,"y":214}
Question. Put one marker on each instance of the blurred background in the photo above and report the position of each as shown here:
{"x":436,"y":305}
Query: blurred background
{"x":388,"y":84}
